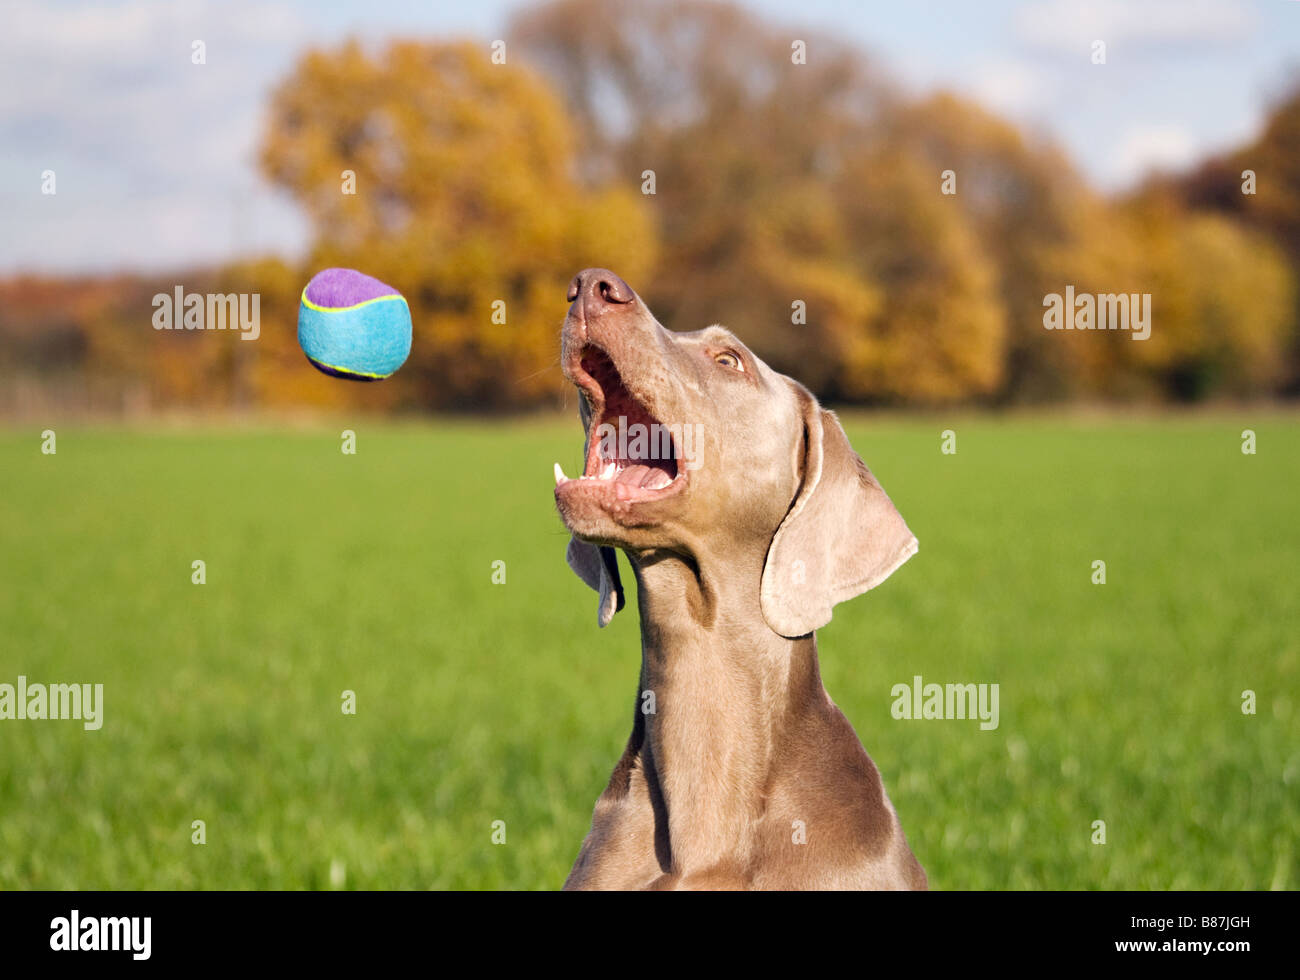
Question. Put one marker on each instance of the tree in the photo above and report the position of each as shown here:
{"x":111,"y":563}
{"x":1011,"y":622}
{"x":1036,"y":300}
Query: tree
{"x":1222,"y":301}
{"x":464,"y":200}
{"x":762,"y":162}
{"x":940,"y":333}
{"x":1272,"y":206}
{"x":1036,"y":223}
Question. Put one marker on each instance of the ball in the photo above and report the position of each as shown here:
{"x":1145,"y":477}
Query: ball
{"x":351,"y":325}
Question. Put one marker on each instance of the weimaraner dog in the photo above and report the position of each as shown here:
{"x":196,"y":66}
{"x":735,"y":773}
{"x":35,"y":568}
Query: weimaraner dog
{"x":754,"y":519}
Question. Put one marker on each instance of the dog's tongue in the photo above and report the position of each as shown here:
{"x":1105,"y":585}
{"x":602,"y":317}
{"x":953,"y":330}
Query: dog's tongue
{"x":640,"y":475}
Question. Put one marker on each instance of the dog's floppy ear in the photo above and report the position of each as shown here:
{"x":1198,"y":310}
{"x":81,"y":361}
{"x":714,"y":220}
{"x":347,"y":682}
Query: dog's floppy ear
{"x":841,"y":536}
{"x":598,"y":567}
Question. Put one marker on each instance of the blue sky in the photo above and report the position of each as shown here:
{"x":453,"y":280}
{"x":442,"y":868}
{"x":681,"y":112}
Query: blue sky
{"x":155,"y":157}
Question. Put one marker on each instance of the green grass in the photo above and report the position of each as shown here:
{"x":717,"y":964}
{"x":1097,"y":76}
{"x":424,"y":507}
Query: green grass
{"x":480,"y":702}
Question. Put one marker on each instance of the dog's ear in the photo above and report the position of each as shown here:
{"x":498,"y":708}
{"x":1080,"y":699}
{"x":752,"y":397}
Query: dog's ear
{"x":598,"y":567}
{"x":841,"y":536}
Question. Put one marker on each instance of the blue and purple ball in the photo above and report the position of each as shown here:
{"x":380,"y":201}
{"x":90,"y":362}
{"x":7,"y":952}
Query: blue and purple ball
{"x":351,"y":325}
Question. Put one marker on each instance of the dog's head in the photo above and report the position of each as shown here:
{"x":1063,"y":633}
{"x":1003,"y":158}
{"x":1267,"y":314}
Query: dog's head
{"x":694,"y":445}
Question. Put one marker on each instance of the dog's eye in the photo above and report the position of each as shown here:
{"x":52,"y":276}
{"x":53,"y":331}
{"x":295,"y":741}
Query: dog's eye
{"x":729,"y":360}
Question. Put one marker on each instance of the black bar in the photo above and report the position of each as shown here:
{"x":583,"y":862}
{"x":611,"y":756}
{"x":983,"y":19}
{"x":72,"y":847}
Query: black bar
{"x":331,"y":930}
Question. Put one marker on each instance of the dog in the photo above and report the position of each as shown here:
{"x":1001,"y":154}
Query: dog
{"x":740,"y":772}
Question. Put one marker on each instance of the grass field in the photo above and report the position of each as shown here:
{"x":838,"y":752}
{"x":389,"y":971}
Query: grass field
{"x":480,"y":702}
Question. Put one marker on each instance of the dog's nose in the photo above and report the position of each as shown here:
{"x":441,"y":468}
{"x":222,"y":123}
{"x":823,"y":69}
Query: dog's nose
{"x":595,"y":290}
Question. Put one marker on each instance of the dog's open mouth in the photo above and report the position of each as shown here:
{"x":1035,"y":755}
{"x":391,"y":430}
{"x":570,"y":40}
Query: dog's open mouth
{"x":631,"y":455}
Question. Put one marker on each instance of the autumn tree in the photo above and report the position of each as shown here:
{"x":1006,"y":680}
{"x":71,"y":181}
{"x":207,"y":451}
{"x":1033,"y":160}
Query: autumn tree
{"x":1039,"y":226}
{"x":1222,"y":302}
{"x":1259,"y":185}
{"x":765,"y":150}
{"x":450,"y":177}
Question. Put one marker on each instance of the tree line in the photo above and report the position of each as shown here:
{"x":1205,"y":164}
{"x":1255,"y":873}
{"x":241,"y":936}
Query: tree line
{"x":885,"y":249}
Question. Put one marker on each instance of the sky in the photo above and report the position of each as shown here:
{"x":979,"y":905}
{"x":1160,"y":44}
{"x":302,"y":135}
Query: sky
{"x":155,"y":157}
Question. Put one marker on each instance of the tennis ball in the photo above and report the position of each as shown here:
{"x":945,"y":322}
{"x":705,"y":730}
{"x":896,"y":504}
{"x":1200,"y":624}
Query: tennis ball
{"x":351,"y":325}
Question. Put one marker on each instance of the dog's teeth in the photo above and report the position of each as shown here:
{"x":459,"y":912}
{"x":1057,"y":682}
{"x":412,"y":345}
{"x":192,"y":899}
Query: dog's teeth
{"x":559,"y":475}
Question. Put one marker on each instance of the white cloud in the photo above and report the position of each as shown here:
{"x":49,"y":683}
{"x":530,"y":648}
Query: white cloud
{"x":1074,"y":24}
{"x":1160,"y":147}
{"x":1010,"y":87}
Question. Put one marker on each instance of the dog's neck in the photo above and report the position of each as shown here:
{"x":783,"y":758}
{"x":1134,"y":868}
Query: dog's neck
{"x":726,"y":691}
